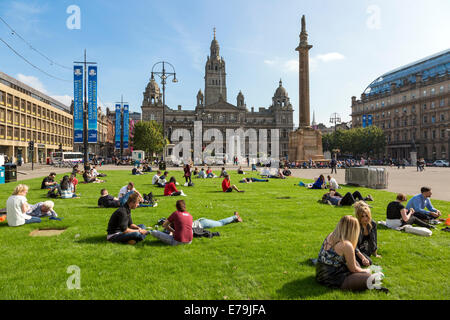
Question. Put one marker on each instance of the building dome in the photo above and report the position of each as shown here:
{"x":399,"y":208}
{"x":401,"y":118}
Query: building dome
{"x":153,"y":86}
{"x":281,"y":91}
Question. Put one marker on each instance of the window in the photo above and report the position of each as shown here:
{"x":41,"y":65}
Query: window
{"x":442,"y":117}
{"x":424,"y":119}
{"x":413,"y":95}
{"x":2,"y":98}
{"x":441,"y":89}
{"x":23,"y":105}
{"x":9,"y":100}
{"x":432,"y":105}
{"x":443,"y":133}
{"x":424,"y":107}
{"x":433,"y":119}
{"x":424,"y":93}
{"x":16,"y":102}
{"x":413,"y":108}
{"x":405,"y":110}
{"x":382,"y":103}
{"x":404,"y":98}
{"x":432,"y":91}
{"x":442,"y":103}
{"x":425,"y":136}
{"x":28,"y":107}
{"x":2,"y":132}
{"x":433,"y":134}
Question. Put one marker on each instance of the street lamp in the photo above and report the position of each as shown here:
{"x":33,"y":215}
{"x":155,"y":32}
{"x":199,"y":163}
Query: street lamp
{"x":164,"y":76}
{"x":335,"y":118}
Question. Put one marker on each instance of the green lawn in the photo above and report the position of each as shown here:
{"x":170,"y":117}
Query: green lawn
{"x":265,"y":257}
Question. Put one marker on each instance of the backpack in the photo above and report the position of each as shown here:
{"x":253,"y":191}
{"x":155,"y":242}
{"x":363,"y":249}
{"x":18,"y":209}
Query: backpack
{"x":52,"y":193}
{"x":200,"y":232}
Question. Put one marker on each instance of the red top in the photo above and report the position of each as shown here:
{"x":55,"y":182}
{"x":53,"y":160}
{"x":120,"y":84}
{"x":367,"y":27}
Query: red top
{"x":169,"y":189}
{"x":208,"y":171}
{"x":182,"y":224}
{"x":74,"y":182}
{"x":226,"y":184}
{"x":187,"y":171}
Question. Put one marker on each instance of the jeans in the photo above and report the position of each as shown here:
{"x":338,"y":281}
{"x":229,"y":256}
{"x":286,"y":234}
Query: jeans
{"x":208,"y":224}
{"x":333,"y":168}
{"x":166,"y":238}
{"x":33,"y":220}
{"x":125,"y":237}
{"x":350,"y":199}
{"x":415,"y":220}
{"x":259,"y":180}
{"x":188,"y":178}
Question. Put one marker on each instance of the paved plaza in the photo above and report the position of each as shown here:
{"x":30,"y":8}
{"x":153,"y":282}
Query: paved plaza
{"x":406,"y":180}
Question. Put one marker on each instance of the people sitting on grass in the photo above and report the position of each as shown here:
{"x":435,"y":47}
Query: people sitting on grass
{"x":66,"y":189}
{"x":156,"y":177}
{"x":208,"y":223}
{"x":223,"y":173}
{"x":49,"y":182}
{"x":170,"y":188}
{"x":42,"y":209}
{"x":126,"y":189}
{"x":95,"y":173}
{"x":121,"y":227}
{"x":89,"y":178}
{"x":332,"y":183}
{"x":287,"y":172}
{"x":162,"y":180}
{"x":335,"y":198}
{"x":397,"y":215}
{"x":227,"y":187}
{"x":336,"y":265}
{"x":74,"y":181}
{"x":195,"y":172}
{"x":367,"y":241}
{"x":240,"y":170}
{"x":146,"y":168}
{"x":179,"y":226}
{"x":250,"y":180}
{"x":319,"y":183}
{"x":187,"y":173}
{"x":420,"y":202}
{"x":107,"y":201}
{"x":202,"y":174}
{"x":76,"y":169}
{"x":210,"y":173}
{"x":17,"y":207}
{"x":136,"y":171}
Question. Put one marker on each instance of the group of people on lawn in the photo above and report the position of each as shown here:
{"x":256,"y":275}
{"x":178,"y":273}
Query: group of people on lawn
{"x":340,"y":260}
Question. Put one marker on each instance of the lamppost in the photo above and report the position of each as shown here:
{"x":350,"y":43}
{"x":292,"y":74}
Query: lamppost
{"x":164,"y":75}
{"x":335,"y":118}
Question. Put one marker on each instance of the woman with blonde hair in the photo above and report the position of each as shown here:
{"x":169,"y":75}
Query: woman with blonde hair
{"x":336,"y":265}
{"x":17,"y":206}
{"x":367,"y":240}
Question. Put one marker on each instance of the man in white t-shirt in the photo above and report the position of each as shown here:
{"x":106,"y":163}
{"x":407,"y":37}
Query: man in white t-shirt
{"x":156,"y":177}
{"x":17,"y":206}
{"x":125,"y":189}
{"x":333,"y":183}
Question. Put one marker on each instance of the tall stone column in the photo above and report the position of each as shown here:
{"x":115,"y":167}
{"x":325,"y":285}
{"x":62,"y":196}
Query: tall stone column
{"x":303,"y":49}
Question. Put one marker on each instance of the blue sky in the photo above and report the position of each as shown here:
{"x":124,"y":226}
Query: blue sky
{"x":353,"y":43}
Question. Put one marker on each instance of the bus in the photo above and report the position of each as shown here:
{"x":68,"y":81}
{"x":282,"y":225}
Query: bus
{"x":60,"y":157}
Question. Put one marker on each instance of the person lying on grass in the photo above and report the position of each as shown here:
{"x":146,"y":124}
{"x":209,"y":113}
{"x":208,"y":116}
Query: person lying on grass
{"x":121,"y":227}
{"x":17,"y":207}
{"x":335,"y":198}
{"x":42,"y":209}
{"x":397,"y":215}
{"x":107,"y":201}
{"x":208,"y":223}
{"x":336,"y":264}
{"x":179,"y":226}
{"x":250,"y":180}
{"x":171,"y":190}
{"x":319,"y":183}
{"x":367,"y":241}
{"x":421,"y":201}
{"x":227,"y":187}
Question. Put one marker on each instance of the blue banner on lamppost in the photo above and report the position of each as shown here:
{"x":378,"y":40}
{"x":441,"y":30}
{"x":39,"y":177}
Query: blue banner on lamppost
{"x":364,"y":121}
{"x":118,"y":125}
{"x":92,"y":104}
{"x":369,"y":120}
{"x":78,"y":104}
{"x":126,"y":126}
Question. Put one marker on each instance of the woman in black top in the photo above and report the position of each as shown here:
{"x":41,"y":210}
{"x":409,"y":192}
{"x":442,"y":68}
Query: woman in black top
{"x":397,"y":215}
{"x":367,"y":241}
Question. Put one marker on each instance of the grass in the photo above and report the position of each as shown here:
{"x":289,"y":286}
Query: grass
{"x":265,"y":257}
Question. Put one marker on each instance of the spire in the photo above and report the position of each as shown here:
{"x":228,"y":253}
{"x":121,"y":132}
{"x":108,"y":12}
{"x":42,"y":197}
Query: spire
{"x":314,"y":118}
{"x":214,"y":46}
{"x":281,"y":83}
{"x":214,"y":29}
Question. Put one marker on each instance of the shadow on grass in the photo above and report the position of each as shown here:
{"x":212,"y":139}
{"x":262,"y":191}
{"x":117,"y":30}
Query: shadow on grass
{"x":302,"y":289}
{"x":99,"y":239}
{"x":93,"y":240}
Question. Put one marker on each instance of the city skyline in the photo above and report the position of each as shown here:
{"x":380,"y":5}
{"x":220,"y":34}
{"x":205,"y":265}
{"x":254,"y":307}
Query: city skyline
{"x":353,"y":43}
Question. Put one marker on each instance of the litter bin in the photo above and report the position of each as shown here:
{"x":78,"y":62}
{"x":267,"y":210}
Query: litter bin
{"x":10,"y":172}
{"x":2,"y":175}
{"x":162,"y":165}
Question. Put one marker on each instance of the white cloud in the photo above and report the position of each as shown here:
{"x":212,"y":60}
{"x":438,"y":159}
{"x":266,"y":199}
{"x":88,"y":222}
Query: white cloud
{"x":269,"y":62}
{"x":291,"y":65}
{"x":33,"y":82}
{"x":66,"y":100}
{"x":327,"y":57}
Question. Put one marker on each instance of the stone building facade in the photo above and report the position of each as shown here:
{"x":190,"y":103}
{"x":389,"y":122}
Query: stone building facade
{"x":215,"y":112}
{"x":412,"y":105}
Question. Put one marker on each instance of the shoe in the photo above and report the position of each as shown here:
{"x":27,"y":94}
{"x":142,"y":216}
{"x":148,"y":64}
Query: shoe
{"x":369,"y":198}
{"x":446,"y":229}
{"x":155,"y":204}
{"x":433,"y":221}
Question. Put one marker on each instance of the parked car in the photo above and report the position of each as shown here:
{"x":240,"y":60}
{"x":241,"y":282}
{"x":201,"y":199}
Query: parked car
{"x":440,"y":163}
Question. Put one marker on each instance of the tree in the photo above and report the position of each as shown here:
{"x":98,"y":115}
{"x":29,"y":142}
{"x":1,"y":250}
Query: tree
{"x":148,"y":137}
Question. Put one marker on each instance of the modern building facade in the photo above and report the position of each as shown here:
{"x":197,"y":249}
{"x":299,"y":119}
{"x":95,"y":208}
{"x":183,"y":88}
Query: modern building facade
{"x":412,"y":105}
{"x":215,"y":112}
{"x":29,"y":115}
